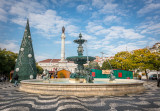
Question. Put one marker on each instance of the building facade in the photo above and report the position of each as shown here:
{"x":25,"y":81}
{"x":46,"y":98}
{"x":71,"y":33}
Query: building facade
{"x":100,"y":60}
{"x":155,"y":48}
{"x":52,"y":64}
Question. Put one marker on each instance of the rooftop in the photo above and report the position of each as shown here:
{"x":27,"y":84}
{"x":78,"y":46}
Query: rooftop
{"x":52,"y":61}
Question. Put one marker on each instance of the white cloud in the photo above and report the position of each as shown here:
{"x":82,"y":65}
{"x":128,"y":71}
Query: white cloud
{"x":113,"y":32}
{"x":67,"y":3}
{"x":10,"y":45}
{"x":24,"y":7}
{"x":98,"y":3}
{"x":110,"y":19}
{"x":150,"y":28}
{"x":3,"y":15}
{"x":5,"y":4}
{"x":108,"y":8}
{"x":110,"y":50}
{"x":73,"y":34}
{"x":47,"y":22}
{"x":84,"y":36}
{"x":82,"y":8}
{"x":71,"y":28}
{"x":95,"y":15}
{"x":97,"y":44}
{"x":102,"y":32}
{"x":128,"y":47}
{"x":54,"y":2}
{"x":113,"y":49}
{"x":20,"y":21}
{"x":88,"y":37}
{"x":120,"y":32}
{"x":148,"y":1}
{"x":152,"y":41}
{"x":42,"y":57}
{"x":92,"y":27}
{"x":148,"y":8}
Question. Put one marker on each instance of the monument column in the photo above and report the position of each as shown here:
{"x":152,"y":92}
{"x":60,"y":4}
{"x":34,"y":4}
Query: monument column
{"x":63,"y":45}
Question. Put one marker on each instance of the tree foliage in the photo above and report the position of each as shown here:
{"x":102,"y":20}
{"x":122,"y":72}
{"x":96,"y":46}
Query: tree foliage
{"x":105,"y":65}
{"x":39,"y":69}
{"x":141,"y":59}
{"x":156,"y":61}
{"x":7,"y":61}
{"x":122,"y":60}
{"x":93,"y":65}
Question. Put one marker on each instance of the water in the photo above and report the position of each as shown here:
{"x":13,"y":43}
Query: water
{"x":68,"y":82}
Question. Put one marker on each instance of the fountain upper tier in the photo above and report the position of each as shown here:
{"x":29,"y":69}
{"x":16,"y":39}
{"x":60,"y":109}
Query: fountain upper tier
{"x":83,"y":59}
{"x":80,"y":41}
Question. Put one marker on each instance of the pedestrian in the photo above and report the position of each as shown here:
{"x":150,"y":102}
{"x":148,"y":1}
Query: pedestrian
{"x":158,"y":82}
{"x":2,"y":78}
{"x":16,"y":80}
{"x":139,"y":77}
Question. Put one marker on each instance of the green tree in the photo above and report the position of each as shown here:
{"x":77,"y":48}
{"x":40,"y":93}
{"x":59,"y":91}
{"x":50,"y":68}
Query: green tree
{"x":93,"y":65}
{"x":7,"y":61}
{"x":143,"y":59}
{"x":122,"y":60}
{"x":156,"y":61}
{"x":25,"y":65}
{"x":105,"y":65}
{"x":39,"y":69}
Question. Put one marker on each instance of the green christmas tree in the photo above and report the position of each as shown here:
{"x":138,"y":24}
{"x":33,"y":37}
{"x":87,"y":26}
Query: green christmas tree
{"x":25,"y":64}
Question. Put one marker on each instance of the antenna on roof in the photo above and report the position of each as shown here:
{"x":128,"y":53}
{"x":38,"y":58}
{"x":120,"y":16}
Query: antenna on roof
{"x":102,"y":54}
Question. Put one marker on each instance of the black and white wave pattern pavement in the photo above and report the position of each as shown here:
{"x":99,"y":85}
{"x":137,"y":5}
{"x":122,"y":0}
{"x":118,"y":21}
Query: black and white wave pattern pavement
{"x":13,"y":100}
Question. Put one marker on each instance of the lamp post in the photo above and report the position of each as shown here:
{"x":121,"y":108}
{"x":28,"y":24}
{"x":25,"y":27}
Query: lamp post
{"x":112,"y":78}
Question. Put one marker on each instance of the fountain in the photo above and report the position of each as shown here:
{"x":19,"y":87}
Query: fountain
{"x":81,"y":75}
{"x":81,"y":82}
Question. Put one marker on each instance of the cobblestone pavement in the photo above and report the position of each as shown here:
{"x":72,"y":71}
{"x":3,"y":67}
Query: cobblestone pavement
{"x":13,"y":100}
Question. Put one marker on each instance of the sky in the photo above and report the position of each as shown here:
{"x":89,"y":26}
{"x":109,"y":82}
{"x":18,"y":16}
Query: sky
{"x":109,"y":26}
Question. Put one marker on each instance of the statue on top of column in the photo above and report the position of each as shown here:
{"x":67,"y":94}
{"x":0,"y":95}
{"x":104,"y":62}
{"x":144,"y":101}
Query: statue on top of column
{"x":63,"y":29}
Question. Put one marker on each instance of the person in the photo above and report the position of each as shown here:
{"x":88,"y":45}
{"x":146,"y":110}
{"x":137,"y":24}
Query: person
{"x":4,"y":79}
{"x":139,"y":77}
{"x":16,"y":80}
{"x":158,"y":82}
{"x":1,"y":78}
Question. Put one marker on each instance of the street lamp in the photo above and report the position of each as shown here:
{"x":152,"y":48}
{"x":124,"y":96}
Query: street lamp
{"x":112,"y":78}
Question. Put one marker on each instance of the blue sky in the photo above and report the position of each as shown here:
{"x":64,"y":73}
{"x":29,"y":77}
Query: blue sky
{"x":110,"y":26}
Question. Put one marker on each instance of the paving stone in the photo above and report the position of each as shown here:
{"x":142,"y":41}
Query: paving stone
{"x":13,"y":100}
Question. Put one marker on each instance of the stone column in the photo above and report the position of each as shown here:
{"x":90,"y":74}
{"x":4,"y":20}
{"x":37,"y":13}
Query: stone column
{"x":63,"y":46}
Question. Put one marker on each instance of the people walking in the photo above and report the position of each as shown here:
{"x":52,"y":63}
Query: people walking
{"x":16,"y":80}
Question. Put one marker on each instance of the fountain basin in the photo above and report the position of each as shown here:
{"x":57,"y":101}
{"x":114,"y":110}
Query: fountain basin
{"x":101,"y":87}
{"x":80,"y":58}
